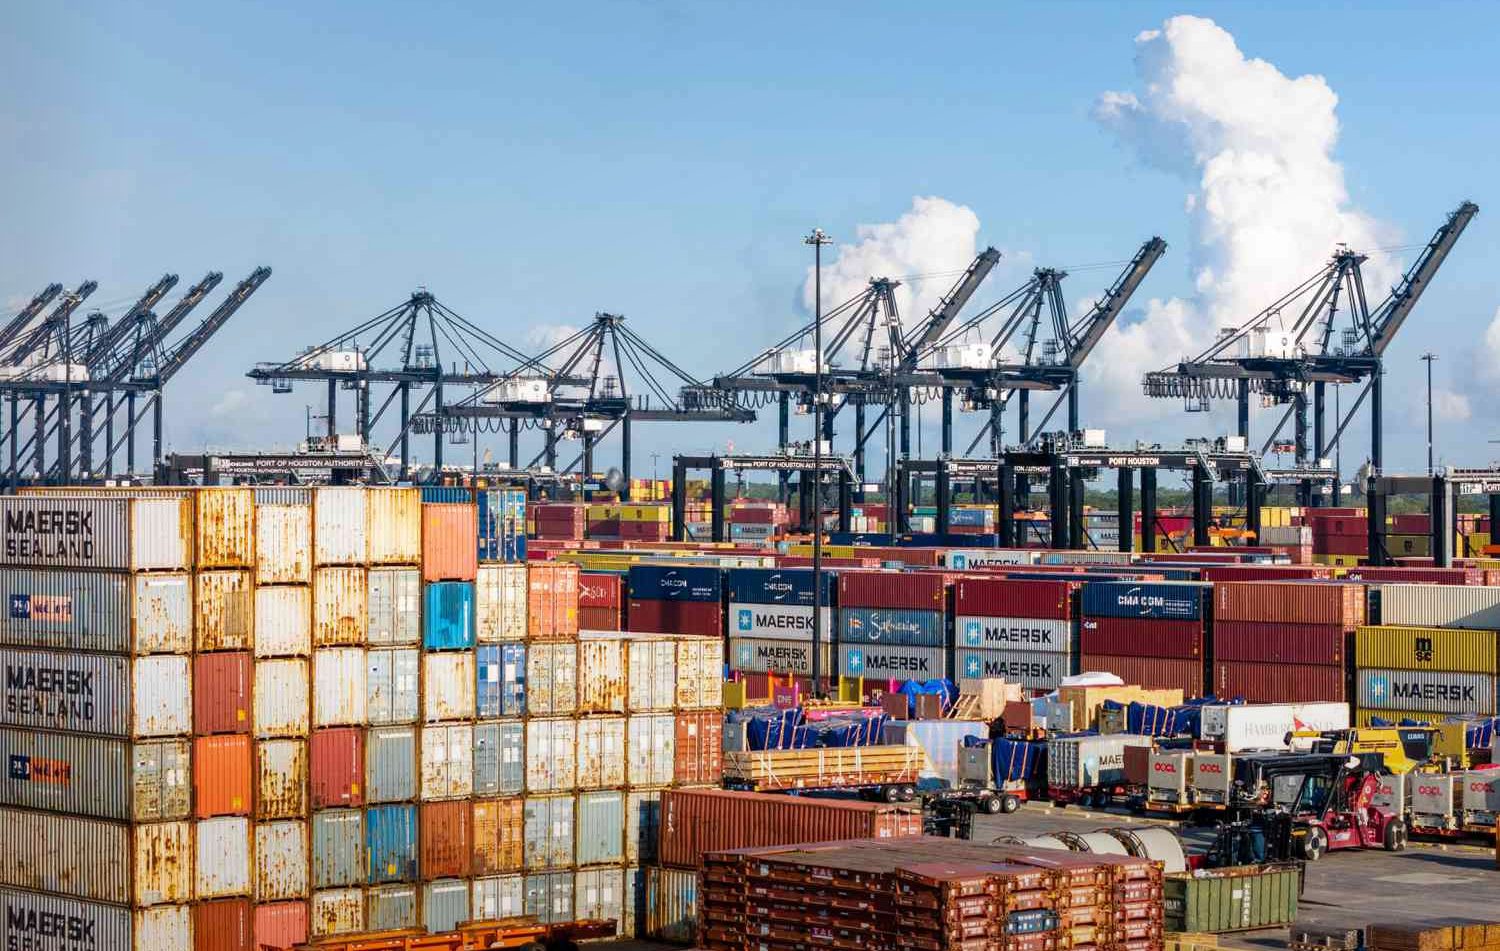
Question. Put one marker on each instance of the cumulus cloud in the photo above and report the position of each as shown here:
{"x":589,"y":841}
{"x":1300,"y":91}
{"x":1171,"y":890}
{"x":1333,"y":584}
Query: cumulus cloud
{"x":1488,"y":359}
{"x":1451,"y":406}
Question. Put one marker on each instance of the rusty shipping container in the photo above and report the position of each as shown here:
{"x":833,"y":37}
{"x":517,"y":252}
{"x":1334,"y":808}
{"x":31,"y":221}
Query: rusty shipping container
{"x":223,"y":610}
{"x":549,"y":825}
{"x":98,"y":776}
{"x":699,"y":748}
{"x":448,"y":686}
{"x":222,"y":768}
{"x":393,"y":525}
{"x":500,"y":594}
{"x":700,"y":673}
{"x":340,"y":607}
{"x":602,"y":680}
{"x":497,"y":896}
{"x":34,"y":920}
{"x":339,"y":514}
{"x":698,"y":821}
{"x":1280,"y":643}
{"x":222,"y":858}
{"x":337,"y":911}
{"x":447,"y":839}
{"x":651,"y":749}
{"x":283,"y":621}
{"x":338,"y":848}
{"x":450,"y":541}
{"x":551,"y":601}
{"x":282,"y":698}
{"x":281,"y":924}
{"x":1153,"y":672}
{"x":1293,"y":602}
{"x":281,"y":779}
{"x":395,"y":607}
{"x":338,"y":686}
{"x":601,"y":752}
{"x":223,"y":698}
{"x":391,"y":907}
{"x":97,"y":860}
{"x":600,"y":821}
{"x":113,"y":613}
{"x":447,"y":761}
{"x":108,"y":534}
{"x":393,"y":684}
{"x":551,"y":678}
{"x":224,"y":527}
{"x":97,"y":694}
{"x":281,"y":860}
{"x":337,"y":777}
{"x":498,"y":830}
{"x":1278,"y":683}
{"x":283,"y":544}
{"x":551,"y":755}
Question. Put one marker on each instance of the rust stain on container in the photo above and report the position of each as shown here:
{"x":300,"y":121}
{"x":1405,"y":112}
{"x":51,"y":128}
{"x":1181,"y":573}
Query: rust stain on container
{"x":499,"y":831}
{"x":601,"y":752}
{"x":221,"y":775}
{"x":602,"y":684}
{"x":225,"y":522}
{"x":447,"y":839}
{"x":222,"y":700}
{"x":340,"y":607}
{"x":450,"y":541}
{"x":163,"y":863}
{"x":283,"y":544}
{"x":337,"y":911}
{"x":281,"y":779}
{"x":700,"y":747}
{"x":283,"y":621}
{"x":338,"y":767}
{"x":281,"y":860}
{"x":281,"y":698}
{"x":393,"y":525}
{"x":223,"y":925}
{"x":223,"y":610}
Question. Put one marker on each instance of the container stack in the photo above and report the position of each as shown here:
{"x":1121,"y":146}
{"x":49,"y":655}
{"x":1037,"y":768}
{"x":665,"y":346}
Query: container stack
{"x":770,"y":619}
{"x":892,"y":626}
{"x":1147,"y":633}
{"x":1019,"y":629}
{"x":561,"y":521}
{"x":1433,"y":654}
{"x":648,"y":522}
{"x":1283,"y":642}
{"x":601,"y":601}
{"x":671,"y":599}
{"x":1340,"y":536}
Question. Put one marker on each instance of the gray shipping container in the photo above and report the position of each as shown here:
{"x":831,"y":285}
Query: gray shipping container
{"x":31,"y":920}
{"x":1438,"y":605}
{"x":338,"y":837}
{"x":549,"y":832}
{"x":499,"y":758}
{"x":389,"y":907}
{"x":1429,"y":690}
{"x":107,"y":534}
{"x":1033,"y":670}
{"x":549,"y":897}
{"x":1085,"y":762}
{"x":392,"y":684}
{"x":391,"y":764}
{"x":885,"y":662}
{"x":395,"y":606}
{"x":599,"y":893}
{"x":96,"y":694}
{"x":445,"y":903}
{"x":599,"y":834}
{"x":96,"y":776}
{"x":642,"y":825}
{"x":497,"y":896}
{"x":112,"y":613}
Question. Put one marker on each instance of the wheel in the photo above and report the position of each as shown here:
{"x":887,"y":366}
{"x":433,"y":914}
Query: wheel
{"x":891,"y":793}
{"x":908,"y":793}
{"x":1085,"y":800}
{"x":990,"y":805}
{"x":1395,"y":836}
{"x":1314,"y":844}
{"x":1010,"y":803}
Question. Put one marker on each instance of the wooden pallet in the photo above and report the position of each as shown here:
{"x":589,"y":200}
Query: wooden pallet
{"x":825,"y":768}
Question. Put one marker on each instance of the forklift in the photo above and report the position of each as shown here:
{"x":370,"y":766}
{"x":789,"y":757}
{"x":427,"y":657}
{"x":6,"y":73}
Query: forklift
{"x":1327,"y":801}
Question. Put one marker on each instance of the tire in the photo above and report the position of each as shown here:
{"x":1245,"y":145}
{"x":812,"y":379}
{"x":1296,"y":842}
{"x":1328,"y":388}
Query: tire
{"x":1085,"y":800}
{"x":992,"y":805}
{"x":891,"y":794}
{"x":1313,"y":845}
{"x":908,"y":793}
{"x":1395,"y":836}
{"x":1010,"y":803}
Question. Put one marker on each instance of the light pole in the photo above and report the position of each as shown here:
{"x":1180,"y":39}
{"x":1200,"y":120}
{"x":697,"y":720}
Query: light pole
{"x":1428,"y":358}
{"x":817,"y":239}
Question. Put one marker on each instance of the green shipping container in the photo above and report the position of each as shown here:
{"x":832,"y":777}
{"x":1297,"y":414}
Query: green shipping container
{"x":1232,"y":899}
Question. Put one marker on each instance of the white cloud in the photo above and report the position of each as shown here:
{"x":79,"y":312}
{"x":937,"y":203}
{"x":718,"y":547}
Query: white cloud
{"x":1450,"y":406}
{"x":544,"y":337}
{"x":1488,"y":358}
{"x":230,"y":402}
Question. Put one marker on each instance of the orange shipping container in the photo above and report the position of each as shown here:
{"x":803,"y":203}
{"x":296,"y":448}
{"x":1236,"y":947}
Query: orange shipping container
{"x":551,"y":601}
{"x":498,"y":830}
{"x":280,"y":925}
{"x":1291,"y":602}
{"x":221,"y":694}
{"x":450,"y":541}
{"x":221,"y":776}
{"x":700,"y":748}
{"x":447,"y":842}
{"x":223,"y":925}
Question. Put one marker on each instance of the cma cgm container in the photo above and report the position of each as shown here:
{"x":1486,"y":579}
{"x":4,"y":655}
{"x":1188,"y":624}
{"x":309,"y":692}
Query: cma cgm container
{"x":96,"y":776}
{"x":777,"y":657}
{"x":894,"y":627}
{"x":97,"y":694}
{"x":1033,"y":670}
{"x":111,"y":613}
{"x":1014,"y":598}
{"x":879,"y":662}
{"x":778,"y":586}
{"x":1156,"y":600}
{"x":1036,"y":635}
{"x":109,"y":534}
{"x":673,"y":583}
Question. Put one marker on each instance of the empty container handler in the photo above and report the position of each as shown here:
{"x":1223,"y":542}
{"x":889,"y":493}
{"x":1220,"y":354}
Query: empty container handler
{"x":776,"y":621}
{"x":1151,"y":672}
{"x":1425,"y":605}
{"x":912,"y":590}
{"x":551,"y":601}
{"x":447,"y":839}
{"x":145,"y":781}
{"x":499,"y":833}
{"x":651,"y":749}
{"x":339,"y":524}
{"x":283,"y":621}
{"x":1135,"y":637}
{"x":448,"y":686}
{"x":390,"y":767}
{"x":549,"y":832}
{"x":338,"y":848}
{"x":281,"y":768}
{"x":393,"y":525}
{"x":450,"y":533}
{"x":444,"y":905}
{"x":391,"y":844}
{"x":500,"y":680}
{"x":891,"y":627}
{"x":338,"y":767}
{"x":1426,"y":690}
{"x":601,"y":752}
{"x":447,"y":761}
{"x":448,"y":617}
{"x":549,"y":897}
{"x":499,"y":758}
{"x":880,"y":662}
{"x":337,"y":911}
{"x":1279,"y":643}
{"x":1014,"y":598}
{"x":222,"y":784}
{"x":223,"y":925}
{"x":675,"y":583}
{"x":392,"y":685}
{"x":777,"y":657}
{"x":283,"y":544}
{"x":500,"y":603}
{"x":497,"y":896}
{"x":598,"y":838}
{"x":339,"y":687}
{"x":551,"y":679}
{"x":1297,"y":602}
{"x":551,"y":755}
{"x":97,"y":694}
{"x":282,"y":698}
{"x":1258,"y":682}
{"x":391,"y":907}
{"x":281,"y":861}
{"x":675,"y":617}
{"x":1156,"y":600}
{"x":223,"y":610}
{"x":602,"y":680}
{"x":1032,"y":670}
{"x":222,"y":701}
{"x":1427,"y":648}
{"x":341,"y":605}
{"x":777,"y":586}
{"x":112,"y":613}
{"x":1033,"y":635}
{"x":105,"y":534}
{"x":279,"y":924}
{"x":221,"y":858}
{"x":395,"y":607}
{"x":25,"y":915}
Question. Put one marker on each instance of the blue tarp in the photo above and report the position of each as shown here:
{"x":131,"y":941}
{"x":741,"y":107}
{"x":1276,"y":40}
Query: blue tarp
{"x":946,"y":689}
{"x":772,"y":729}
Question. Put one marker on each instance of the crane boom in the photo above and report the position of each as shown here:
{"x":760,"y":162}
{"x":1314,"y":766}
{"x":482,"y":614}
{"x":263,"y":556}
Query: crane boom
{"x":156,"y":335}
{"x":211,"y":324}
{"x":53,"y":326}
{"x":1091,"y":327}
{"x":1391,"y":314}
{"x":949,"y":307}
{"x":28,"y":314}
{"x":106,"y":343}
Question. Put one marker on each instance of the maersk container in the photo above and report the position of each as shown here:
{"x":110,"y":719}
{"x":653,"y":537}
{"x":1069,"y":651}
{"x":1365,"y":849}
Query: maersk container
{"x":223,"y":610}
{"x":392,"y":684}
{"x":1089,"y":762}
{"x":391,"y":844}
{"x":1029,"y":635}
{"x":1425,"y":690}
{"x":700,"y":672}
{"x":282,"y":698}
{"x":97,"y":694}
{"x":283,"y":544}
{"x":789,"y":622}
{"x":340,"y":607}
{"x":500,"y":603}
{"x":651,"y":749}
{"x":281,"y":860}
{"x":281,"y":777}
{"x":283,"y":621}
{"x":891,"y":627}
{"x":391,"y":907}
{"x":551,"y":679}
{"x":447,"y":761}
{"x":339,"y":687}
{"x":45,"y":922}
{"x":395,"y":607}
{"x":652,"y":666}
{"x":1032,"y":670}
{"x":549,"y":897}
{"x":391,"y":764}
{"x":781,"y":586}
{"x":499,"y":758}
{"x":448,"y":686}
{"x":642,"y":825}
{"x":337,"y":911}
{"x":108,"y":534}
{"x":1430,"y":605}
{"x":674,"y":583}
{"x":497,"y":896}
{"x":601,"y":752}
{"x":599,"y":894}
{"x":445,"y":904}
{"x":1158,"y":600}
{"x":879,"y":662}
{"x":777,"y":657}
{"x":393,"y":525}
{"x":339,"y":514}
{"x":549,"y":832}
{"x":500,"y":680}
{"x":598,"y":834}
{"x":146,"y":781}
{"x":551,"y":755}
{"x":448,"y":616}
{"x":338,"y":848}
{"x":221,"y":858}
{"x":111,"y":613}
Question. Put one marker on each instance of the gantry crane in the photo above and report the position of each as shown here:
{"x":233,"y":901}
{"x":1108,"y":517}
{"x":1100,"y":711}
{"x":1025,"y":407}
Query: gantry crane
{"x":17,"y":324}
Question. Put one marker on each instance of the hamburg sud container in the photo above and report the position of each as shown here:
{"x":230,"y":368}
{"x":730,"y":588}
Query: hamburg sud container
{"x":107,"y":534}
{"x":671,"y":599}
{"x":112,"y":613}
{"x":776,"y":603}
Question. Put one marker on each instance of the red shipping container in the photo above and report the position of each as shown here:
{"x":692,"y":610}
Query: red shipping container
{"x":700,"y":748}
{"x":222,"y":775}
{"x":599,"y":619}
{"x":1280,"y":643}
{"x":1341,"y":545}
{"x":1301,"y":602}
{"x":915,"y":590}
{"x":1014,"y":597}
{"x":1414,"y":575}
{"x":596,"y":590}
{"x":1154,"y":672}
{"x":450,"y":549}
{"x":281,"y":925}
{"x":223,"y":925}
{"x":338,"y":767}
{"x":1288,"y":683}
{"x":1266,"y":572}
{"x":447,"y":838}
{"x":552,"y":601}
{"x":1140,"y":637}
{"x":222,"y":692}
{"x":1411,"y":524}
{"x":913,"y":557}
{"x":675,"y":617}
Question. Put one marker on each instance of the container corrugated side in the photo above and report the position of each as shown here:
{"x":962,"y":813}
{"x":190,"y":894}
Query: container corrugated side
{"x":97,"y":694}
{"x":283,"y":544}
{"x":497,"y":896}
{"x":1293,"y":602}
{"x":339,"y":514}
{"x":549,"y":897}
{"x":1428,"y":605}
{"x":447,"y":837}
{"x":280,"y":924}
{"x":283,"y":621}
{"x":114,"y":613}
{"x":222,"y":766}
{"x":601,"y":752}
{"x":224,"y":526}
{"x":700,"y":672}
{"x":337,"y":911}
{"x":791,"y":622}
{"x":499,"y":758}
{"x":97,"y":860}
{"x":223,"y":610}
{"x":448,"y":686}
{"x":447,"y":761}
{"x":879,"y":662}
{"x":1157,"y":600}
{"x":340,"y":607}
{"x":338,"y":848}
{"x":448,"y":615}
{"x":599,"y":894}
{"x":921,"y":591}
{"x":450,"y":541}
{"x":222,"y":702}
{"x":281,"y":860}
{"x":390,"y":907}
{"x":895,"y":627}
{"x":337,"y":777}
{"x":393,"y":683}
{"x":96,"y":776}
{"x":500,"y":603}
{"x":393,"y":525}
{"x":395,"y":607}
{"x":1014,"y":598}
{"x":1030,"y":635}
{"x":1277,"y":683}
{"x":391,"y":834}
{"x":110,"y":534}
{"x":551,"y":755}
{"x":549,"y":831}
{"x":601,"y":676}
{"x":34,"y":920}
{"x":282,"y":697}
{"x":1427,"y":648}
{"x":221,"y":858}
{"x":551,"y":678}
{"x":281,"y":778}
{"x":671,"y":905}
{"x":651,"y":749}
{"x":1427,"y":690}
{"x":1032,"y":670}
{"x":339,"y":688}
{"x":781,"y":657}
{"x":698,"y":754}
{"x":391,"y":754}
{"x":444,"y":904}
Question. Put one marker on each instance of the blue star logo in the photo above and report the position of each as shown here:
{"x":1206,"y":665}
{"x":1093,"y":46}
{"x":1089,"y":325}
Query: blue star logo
{"x":973,"y":633}
{"x":1380,"y":687}
{"x":856,"y":661}
{"x":20,"y":605}
{"x":745,"y":655}
{"x":972,"y":667}
{"x":746,"y":619}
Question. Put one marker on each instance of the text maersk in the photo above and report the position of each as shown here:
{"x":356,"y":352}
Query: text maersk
{"x":1013,"y":632}
{"x":48,"y":696}
{"x":28,"y":928}
{"x":47,"y":534}
{"x":989,"y":667}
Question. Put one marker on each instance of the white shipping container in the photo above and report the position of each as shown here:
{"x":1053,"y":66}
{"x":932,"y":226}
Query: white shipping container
{"x":339,"y":514}
{"x":448,"y":686}
{"x":283,"y":544}
{"x":393,"y":525}
{"x":1425,"y":690}
{"x":497,"y":896}
{"x":340,"y":607}
{"x":1213,"y":776}
{"x":651,"y":747}
{"x":97,"y":694}
{"x":551,"y":678}
{"x":447,"y":761}
{"x":1014,"y":633}
{"x":221,"y":865}
{"x":280,"y":779}
{"x":113,"y":613}
{"x":97,"y":860}
{"x":602,"y":681}
{"x":281,"y":697}
{"x":700,"y":672}
{"x":338,"y":686}
{"x":283,"y":621}
{"x":601,"y":752}
{"x":224,"y":610}
{"x":103,"y":777}
{"x":336,"y":911}
{"x":393,"y":683}
{"x":500,"y":603}
{"x":1033,"y":670}
{"x":1438,"y":605}
{"x":281,"y":861}
{"x":1087,"y":762}
{"x":1168,"y":778}
{"x":651,"y":666}
{"x":551,"y":755}
{"x":780,"y":622}
{"x":395,"y":607}
{"x":32,"y":920}
{"x":598,"y":894}
{"x":109,"y":534}
{"x":1265,"y":726}
{"x":779,"y":657}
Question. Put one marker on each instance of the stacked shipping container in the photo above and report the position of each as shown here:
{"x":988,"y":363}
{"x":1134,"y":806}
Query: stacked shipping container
{"x":892,"y":626}
{"x":1019,"y":629}
{"x":1433,"y":653}
{"x":668,"y":599}
{"x":1147,"y":633}
{"x":770,"y":620}
{"x":1283,"y":642}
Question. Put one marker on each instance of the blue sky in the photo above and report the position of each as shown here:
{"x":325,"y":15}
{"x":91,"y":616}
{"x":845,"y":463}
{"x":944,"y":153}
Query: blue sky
{"x":533,"y":164}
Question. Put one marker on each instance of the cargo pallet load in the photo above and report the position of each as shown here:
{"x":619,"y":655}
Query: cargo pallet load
{"x":888,"y":771}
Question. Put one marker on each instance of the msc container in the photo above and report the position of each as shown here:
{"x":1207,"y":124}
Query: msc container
{"x":222,"y":702}
{"x":551,"y":601}
{"x":339,"y":514}
{"x":111,"y":613}
{"x":551,"y":678}
{"x":283,"y":621}
{"x":1277,"y":683}
{"x":1294,"y":602}
{"x":783,"y":586}
{"x":339,"y":687}
{"x":221,"y":776}
{"x":651,"y":749}
{"x":700,"y":673}
{"x":221,"y":863}
{"x":340,"y":607}
{"x":1427,"y":648}
{"x":599,"y":894}
{"x":549,"y":832}
{"x":1231,"y":899}
{"x":395,"y":606}
{"x":391,"y":907}
{"x":393,"y":526}
{"x":223,"y":610}
{"x":392,"y":684}
{"x":97,"y":694}
{"x":497,"y":896}
{"x":337,"y":911}
{"x":1033,"y":671}
{"x":280,"y":779}
{"x":500,"y":603}
{"x":1252,"y":641}
{"x":391,"y":844}
{"x":699,"y":748}
{"x":280,"y":924}
{"x":1032,"y":635}
{"x":450,"y":541}
{"x":642,"y":826}
{"x":448,"y":686}
{"x":283,"y":544}
{"x":1157,"y":600}
{"x":338,"y":767}
{"x":338,"y":838}
{"x":447,"y":761}
{"x":447,"y":839}
{"x":281,"y":698}
{"x":551,"y":755}
{"x":1425,"y":690}
{"x":391,"y":764}
{"x":498,"y":829}
{"x":1138,"y":637}
{"x":600,"y":590}
{"x":549,"y":897}
{"x":499,"y":758}
{"x":109,"y":534}
{"x":500,"y":680}
{"x":448,"y":616}
{"x":444,"y":905}
{"x":1087,"y":762}
{"x":95,"y":776}
{"x":879,"y":662}
{"x":674,"y":583}
{"x":601,"y":752}
{"x":775,"y":621}
{"x":777,"y":657}
{"x":1014,"y":598}
{"x":894,"y":627}
{"x":602,"y":680}
{"x":913,"y":590}
{"x":671,"y":905}
{"x":1428,"y":605}
{"x":281,"y":861}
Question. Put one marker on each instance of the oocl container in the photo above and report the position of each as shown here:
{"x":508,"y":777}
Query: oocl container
{"x":96,"y":776}
{"x":393,"y":525}
{"x":448,"y":686}
{"x":500,"y":684}
{"x":283,"y":621}
{"x":224,"y":610}
{"x":339,"y":687}
{"x":499,"y":758}
{"x":340,"y":607}
{"x":499,"y":836}
{"x":111,"y":613}
{"x":551,"y":678}
{"x":281,"y":861}
{"x":395,"y":607}
{"x":339,"y":515}
{"x":1427,"y":648}
{"x":222,"y":702}
{"x":281,"y":779}
{"x":392,"y":684}
{"x":281,"y":698}
{"x":447,"y":839}
{"x":283,"y":544}
{"x":548,"y":828}
{"x":391,"y":764}
{"x":448,"y":617}
{"x":338,"y":767}
{"x":221,"y":858}
{"x":447,"y":761}
{"x":601,"y":752}
{"x":450,"y":541}
{"x":221,"y":776}
{"x":551,"y":755}
{"x":110,"y":534}
{"x":391,"y":844}
{"x":97,"y":694}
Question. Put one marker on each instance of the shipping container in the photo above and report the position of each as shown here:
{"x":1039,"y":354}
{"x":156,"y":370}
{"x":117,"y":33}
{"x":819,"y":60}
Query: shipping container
{"x":601,"y":753}
{"x":919,"y":591}
{"x":339,"y":687}
{"x":43,"y":922}
{"x":224,"y":610}
{"x":671,"y":905}
{"x":281,"y":860}
{"x":1431,"y":691}
{"x":675,"y":583}
{"x":283,"y":544}
{"x":281,"y":768}
{"x":500,"y":603}
{"x":448,"y":616}
{"x":777,"y":657}
{"x":450,"y":542}
{"x":447,"y":761}
{"x":103,"y":777}
{"x":891,"y":627}
{"x":1150,"y":672}
{"x":1086,"y":762}
{"x":283,"y":495}
{"x":96,"y":694}
{"x":1426,"y":605}
{"x":775,"y":621}
{"x":1254,"y":642}
{"x":497,"y":896}
{"x":1267,"y":726}
{"x":879,"y":662}
{"x":1156,"y":600}
{"x":339,"y":524}
{"x":111,"y":613}
{"x":602,"y":681}
{"x":391,"y":764}
{"x":1232,"y":899}
{"x":599,"y":895}
{"x":500,"y":680}
{"x":391,"y":844}
{"x":221,"y":858}
{"x":223,"y":925}
{"x":548,"y":829}
{"x":108,"y":534}
{"x":549,"y":897}
{"x":652,"y":666}
{"x":1014,"y":598}
{"x":281,"y":698}
{"x":788,"y":587}
{"x":393,"y":525}
{"x":280,"y":925}
{"x":283,"y":621}
{"x":1140,"y":637}
{"x":391,"y":907}
{"x":338,"y":849}
{"x":598,"y":834}
{"x":447,"y":839}
{"x":395,"y":607}
{"x":1427,"y":648}
{"x":392,"y":684}
{"x":675,"y":617}
{"x":1295,"y":602}
{"x":448,"y":686}
{"x":597,"y":590}
{"x":551,"y":601}
{"x":700,"y":673}
{"x":1036,"y":671}
{"x":338,"y":767}
{"x":337,"y":911}
{"x":222,"y":701}
{"x":444,"y":904}
{"x":551,"y":678}
{"x":642,"y":826}
{"x":551,"y":755}
{"x":340,"y":607}
{"x":1258,"y":682}
{"x":1031,"y":635}
{"x":222,"y":783}
{"x":499,"y":758}
{"x":651,"y":749}
{"x":698,"y":748}
{"x":498,"y":830}
{"x":224,"y":523}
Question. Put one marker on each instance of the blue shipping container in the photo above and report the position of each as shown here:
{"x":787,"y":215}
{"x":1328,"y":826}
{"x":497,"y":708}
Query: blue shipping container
{"x":502,"y":525}
{"x":391,"y":843}
{"x":1158,"y":600}
{"x":894,"y":626}
{"x":500,"y":680}
{"x":971,"y":518}
{"x":448,"y":616}
{"x":447,"y":494}
{"x":777,"y":586}
{"x":670,"y":583}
